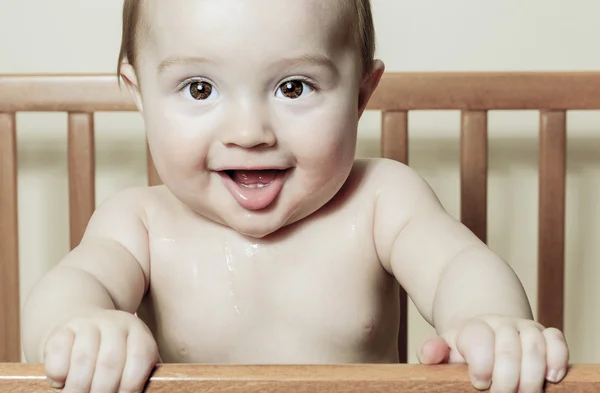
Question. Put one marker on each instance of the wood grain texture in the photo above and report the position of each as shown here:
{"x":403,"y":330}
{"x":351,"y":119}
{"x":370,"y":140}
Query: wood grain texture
{"x":487,"y":91}
{"x":473,"y":172}
{"x":394,"y":135}
{"x":82,"y":174}
{"x":10,"y":341}
{"x":305,"y":379}
{"x":394,"y":145}
{"x":396,"y":91}
{"x":551,"y":244}
{"x":63,"y":93}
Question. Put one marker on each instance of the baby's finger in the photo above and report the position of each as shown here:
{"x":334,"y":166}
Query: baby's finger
{"x":507,"y":360}
{"x":533,"y":361}
{"x":111,"y":360}
{"x":433,"y":351}
{"x":83,"y":360}
{"x":142,"y":356}
{"x":57,"y":356}
{"x":557,"y":354}
{"x":475,"y":342}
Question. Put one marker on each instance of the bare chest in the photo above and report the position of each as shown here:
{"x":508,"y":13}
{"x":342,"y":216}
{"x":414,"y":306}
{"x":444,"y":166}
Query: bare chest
{"x":319,"y":296}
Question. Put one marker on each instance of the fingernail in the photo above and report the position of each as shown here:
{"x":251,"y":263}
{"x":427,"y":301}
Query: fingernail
{"x":57,"y":385}
{"x":482,"y":385}
{"x":556,"y":375}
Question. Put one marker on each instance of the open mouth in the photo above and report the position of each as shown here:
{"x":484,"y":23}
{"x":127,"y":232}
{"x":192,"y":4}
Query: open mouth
{"x":253,"y":178}
{"x":254,"y":189}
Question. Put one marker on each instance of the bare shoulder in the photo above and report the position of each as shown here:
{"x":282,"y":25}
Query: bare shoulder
{"x":134,"y":202}
{"x":399,"y":194}
{"x":381,"y":177}
{"x":123,"y":217}
{"x":394,"y":191}
{"x":129,"y":202}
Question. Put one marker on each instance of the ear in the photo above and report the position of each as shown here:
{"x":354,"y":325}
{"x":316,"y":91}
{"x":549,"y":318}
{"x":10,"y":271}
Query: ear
{"x":369,"y":84}
{"x":129,"y":77}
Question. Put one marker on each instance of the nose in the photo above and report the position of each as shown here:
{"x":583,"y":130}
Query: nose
{"x":249,"y":127}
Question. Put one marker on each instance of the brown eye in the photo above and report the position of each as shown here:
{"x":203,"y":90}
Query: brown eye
{"x":292,"y":89}
{"x":200,"y":90}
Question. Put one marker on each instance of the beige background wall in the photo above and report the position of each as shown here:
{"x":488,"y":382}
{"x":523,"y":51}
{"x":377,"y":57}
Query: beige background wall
{"x":65,"y":36}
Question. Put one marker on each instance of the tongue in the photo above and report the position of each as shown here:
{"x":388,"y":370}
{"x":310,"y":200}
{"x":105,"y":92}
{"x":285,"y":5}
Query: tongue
{"x":254,"y":190}
{"x":250,"y":178}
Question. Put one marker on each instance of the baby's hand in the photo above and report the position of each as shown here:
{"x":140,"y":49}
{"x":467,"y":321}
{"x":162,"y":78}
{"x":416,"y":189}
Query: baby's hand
{"x":511,"y":355}
{"x":102,"y":351}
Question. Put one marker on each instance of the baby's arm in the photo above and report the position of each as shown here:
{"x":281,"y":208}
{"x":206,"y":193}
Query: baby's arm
{"x":448,"y":272}
{"x":79,"y":320}
{"x":469,"y":294}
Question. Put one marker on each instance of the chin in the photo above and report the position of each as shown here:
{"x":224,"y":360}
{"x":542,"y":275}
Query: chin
{"x":255,"y":227}
{"x":262,"y":223}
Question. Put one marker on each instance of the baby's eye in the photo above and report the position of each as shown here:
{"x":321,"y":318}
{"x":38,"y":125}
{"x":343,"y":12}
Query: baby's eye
{"x":293,"y":89}
{"x":200,"y":90}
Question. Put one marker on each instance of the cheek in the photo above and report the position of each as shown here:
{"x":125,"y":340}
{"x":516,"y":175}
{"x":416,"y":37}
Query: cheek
{"x":179,"y":145}
{"x":324,"y":138}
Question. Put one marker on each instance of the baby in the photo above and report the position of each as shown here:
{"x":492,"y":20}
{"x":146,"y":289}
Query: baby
{"x":269,"y":242}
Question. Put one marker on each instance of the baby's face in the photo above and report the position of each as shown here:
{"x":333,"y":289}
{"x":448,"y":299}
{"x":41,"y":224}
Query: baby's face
{"x":251,"y":107}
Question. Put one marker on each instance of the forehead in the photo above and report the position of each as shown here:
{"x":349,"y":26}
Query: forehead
{"x":221,"y":28}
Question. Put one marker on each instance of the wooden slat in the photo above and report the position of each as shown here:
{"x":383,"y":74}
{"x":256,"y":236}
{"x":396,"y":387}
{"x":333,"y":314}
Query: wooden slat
{"x":487,"y":91}
{"x":153,"y":178}
{"x":397,"y":91}
{"x":305,"y":379}
{"x":473,"y":172}
{"x":10,"y":348}
{"x":394,"y":136}
{"x":394,"y":145}
{"x":551,"y":245}
{"x":81,"y":173}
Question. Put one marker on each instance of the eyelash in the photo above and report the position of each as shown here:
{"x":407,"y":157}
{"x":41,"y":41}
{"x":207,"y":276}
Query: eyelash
{"x":302,"y":79}
{"x":186,"y":83}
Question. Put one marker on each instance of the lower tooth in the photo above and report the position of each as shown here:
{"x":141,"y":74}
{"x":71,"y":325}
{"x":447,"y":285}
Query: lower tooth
{"x":260,"y":185}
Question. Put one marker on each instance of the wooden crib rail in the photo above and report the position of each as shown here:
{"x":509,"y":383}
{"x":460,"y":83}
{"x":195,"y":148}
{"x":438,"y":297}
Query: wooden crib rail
{"x":396,"y":92}
{"x":487,"y":91}
{"x":553,"y":94}
{"x":303,"y":379}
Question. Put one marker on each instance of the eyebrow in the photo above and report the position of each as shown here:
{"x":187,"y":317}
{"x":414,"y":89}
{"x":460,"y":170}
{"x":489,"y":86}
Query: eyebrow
{"x":179,"y":60}
{"x":311,"y":59}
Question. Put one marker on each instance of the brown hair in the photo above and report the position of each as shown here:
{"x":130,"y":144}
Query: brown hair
{"x":133,"y":25}
{"x":132,"y":20}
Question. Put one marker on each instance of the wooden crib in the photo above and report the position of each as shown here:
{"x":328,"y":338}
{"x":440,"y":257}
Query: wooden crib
{"x":474,"y":94}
